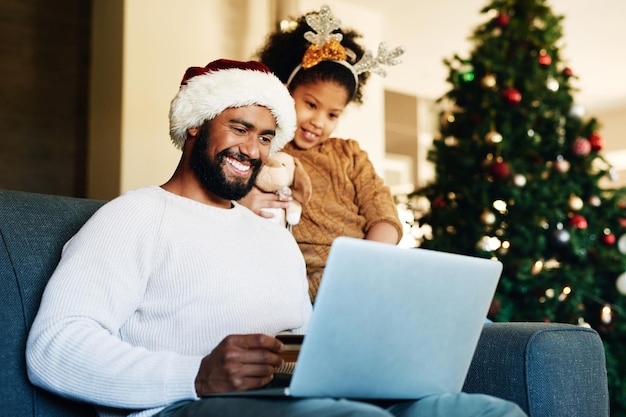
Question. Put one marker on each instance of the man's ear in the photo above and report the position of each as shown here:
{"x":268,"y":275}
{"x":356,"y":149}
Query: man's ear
{"x":192,"y":134}
{"x":193,"y":131}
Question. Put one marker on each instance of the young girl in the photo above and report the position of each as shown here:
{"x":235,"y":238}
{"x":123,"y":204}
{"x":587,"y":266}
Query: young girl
{"x":324,"y":69}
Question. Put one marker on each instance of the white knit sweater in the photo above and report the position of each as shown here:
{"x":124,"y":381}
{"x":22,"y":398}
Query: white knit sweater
{"x":151,"y":284}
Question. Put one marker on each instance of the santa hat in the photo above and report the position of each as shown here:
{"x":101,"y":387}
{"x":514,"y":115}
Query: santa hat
{"x":205,"y":92}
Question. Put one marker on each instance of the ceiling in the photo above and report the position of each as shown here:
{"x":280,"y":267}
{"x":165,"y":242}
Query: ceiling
{"x":593,"y":44}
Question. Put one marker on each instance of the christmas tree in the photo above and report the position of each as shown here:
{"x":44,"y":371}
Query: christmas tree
{"x":520,"y":176}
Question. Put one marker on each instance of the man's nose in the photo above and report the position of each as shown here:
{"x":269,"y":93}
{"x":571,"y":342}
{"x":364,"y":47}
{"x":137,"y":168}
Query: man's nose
{"x":250,"y":146}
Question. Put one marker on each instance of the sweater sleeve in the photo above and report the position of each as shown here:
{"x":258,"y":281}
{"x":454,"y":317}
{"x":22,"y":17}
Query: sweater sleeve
{"x":373,"y":197}
{"x":74,"y":348}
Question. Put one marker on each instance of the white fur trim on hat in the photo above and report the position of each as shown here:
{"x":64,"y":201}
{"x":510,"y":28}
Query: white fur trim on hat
{"x":207,"y":95}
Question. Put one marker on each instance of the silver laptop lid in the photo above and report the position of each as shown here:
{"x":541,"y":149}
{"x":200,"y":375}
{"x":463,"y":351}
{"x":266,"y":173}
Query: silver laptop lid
{"x":393,"y":323}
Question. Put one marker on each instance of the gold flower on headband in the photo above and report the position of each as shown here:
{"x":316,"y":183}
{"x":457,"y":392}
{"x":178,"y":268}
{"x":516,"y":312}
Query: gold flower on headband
{"x":331,"y":50}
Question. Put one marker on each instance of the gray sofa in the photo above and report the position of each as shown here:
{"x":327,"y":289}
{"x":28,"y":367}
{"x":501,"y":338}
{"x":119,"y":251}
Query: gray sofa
{"x":550,"y":370}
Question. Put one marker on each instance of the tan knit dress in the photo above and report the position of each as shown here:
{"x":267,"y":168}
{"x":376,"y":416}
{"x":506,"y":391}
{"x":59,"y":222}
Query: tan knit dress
{"x":348,"y":198}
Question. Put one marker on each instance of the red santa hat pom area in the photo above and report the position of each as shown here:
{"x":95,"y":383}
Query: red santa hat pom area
{"x":205,"y":92}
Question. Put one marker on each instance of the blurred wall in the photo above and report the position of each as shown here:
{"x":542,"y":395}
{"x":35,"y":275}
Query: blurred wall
{"x":44,"y":69}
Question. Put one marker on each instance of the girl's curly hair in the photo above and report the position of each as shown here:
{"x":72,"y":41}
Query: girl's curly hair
{"x":283,"y":52}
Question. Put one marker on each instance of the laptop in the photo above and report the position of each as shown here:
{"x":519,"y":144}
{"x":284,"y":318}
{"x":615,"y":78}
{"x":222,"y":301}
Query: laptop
{"x":391,"y":323}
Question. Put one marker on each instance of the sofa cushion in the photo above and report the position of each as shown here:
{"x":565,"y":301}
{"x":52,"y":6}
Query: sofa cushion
{"x":33,"y":229}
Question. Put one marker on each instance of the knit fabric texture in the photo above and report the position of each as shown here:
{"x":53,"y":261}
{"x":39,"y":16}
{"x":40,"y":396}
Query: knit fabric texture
{"x":148,"y":287}
{"x":348,"y":198}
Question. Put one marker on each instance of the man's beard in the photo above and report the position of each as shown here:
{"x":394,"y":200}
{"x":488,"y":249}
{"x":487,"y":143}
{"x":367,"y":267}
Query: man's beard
{"x":211,"y":173}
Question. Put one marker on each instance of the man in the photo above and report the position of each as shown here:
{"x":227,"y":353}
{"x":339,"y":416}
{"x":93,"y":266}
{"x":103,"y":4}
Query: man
{"x":170,"y":293}
{"x":139,"y":311}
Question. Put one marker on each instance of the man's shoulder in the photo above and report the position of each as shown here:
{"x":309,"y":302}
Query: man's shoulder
{"x":139,"y":202}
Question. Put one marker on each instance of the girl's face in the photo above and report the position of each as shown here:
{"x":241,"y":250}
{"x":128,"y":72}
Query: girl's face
{"x":318,"y":107}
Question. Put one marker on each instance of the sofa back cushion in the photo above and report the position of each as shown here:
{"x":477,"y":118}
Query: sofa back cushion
{"x":33,"y":230}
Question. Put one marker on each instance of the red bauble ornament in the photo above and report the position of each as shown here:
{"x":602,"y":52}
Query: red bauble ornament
{"x":608,"y":239}
{"x":578,"y":221}
{"x":567,"y":71}
{"x":502,"y":19}
{"x":596,"y":141}
{"x":499,"y":170}
{"x":544,"y":58}
{"x":512,"y":95}
{"x":581,"y":147}
{"x":439,"y":202}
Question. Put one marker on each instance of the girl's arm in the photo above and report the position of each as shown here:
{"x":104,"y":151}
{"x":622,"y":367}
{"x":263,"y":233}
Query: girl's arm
{"x":383,"y":232}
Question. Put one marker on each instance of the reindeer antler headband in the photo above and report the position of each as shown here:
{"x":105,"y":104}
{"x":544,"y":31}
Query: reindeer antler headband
{"x":326,"y":46}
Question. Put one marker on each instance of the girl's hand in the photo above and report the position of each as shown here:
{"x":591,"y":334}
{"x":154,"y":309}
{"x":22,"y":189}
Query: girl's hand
{"x":257,"y":200}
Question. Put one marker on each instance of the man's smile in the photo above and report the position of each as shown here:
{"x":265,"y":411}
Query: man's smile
{"x":237,"y":165}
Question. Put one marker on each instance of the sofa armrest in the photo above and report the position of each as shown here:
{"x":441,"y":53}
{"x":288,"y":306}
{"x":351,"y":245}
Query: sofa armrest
{"x":33,"y":229}
{"x":548,"y":369}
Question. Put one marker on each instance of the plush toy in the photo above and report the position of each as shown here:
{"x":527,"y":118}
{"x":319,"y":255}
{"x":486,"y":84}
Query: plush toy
{"x":284,"y":175}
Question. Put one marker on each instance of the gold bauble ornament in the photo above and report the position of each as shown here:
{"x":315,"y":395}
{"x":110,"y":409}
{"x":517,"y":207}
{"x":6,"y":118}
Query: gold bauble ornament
{"x":620,"y":284}
{"x":487,"y":217}
{"x":575,"y":202}
{"x":595,"y":201}
{"x":489,"y":81}
{"x":447,"y":117}
{"x":561,"y":165}
{"x":552,"y":84}
{"x":621,"y":244}
{"x":519,"y":180}
{"x":493,"y":137}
